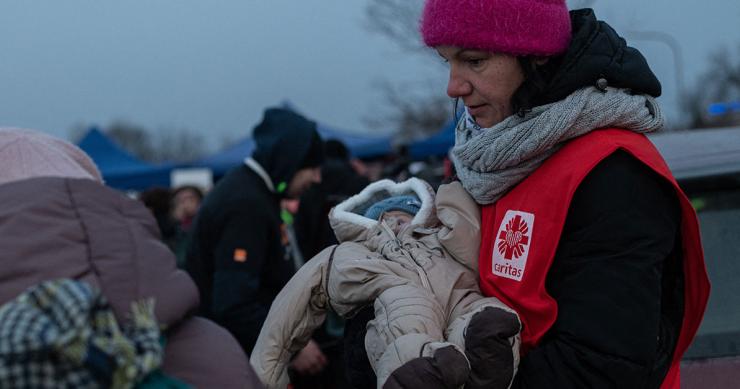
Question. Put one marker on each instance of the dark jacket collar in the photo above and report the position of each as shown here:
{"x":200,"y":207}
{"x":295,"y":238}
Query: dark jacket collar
{"x":596,"y":51}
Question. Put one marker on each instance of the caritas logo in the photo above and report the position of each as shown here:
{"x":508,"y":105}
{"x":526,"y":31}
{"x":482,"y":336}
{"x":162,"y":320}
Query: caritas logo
{"x":511,"y":247}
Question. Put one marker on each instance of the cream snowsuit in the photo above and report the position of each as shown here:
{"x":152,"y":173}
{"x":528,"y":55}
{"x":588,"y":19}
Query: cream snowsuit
{"x":422,"y":282}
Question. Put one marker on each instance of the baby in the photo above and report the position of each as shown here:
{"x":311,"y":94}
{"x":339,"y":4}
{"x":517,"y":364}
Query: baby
{"x":416,"y":261}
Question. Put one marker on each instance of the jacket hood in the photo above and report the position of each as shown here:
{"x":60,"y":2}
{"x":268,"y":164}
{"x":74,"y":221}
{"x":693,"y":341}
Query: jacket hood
{"x":596,"y":51}
{"x":54,"y":227}
{"x":29,"y":153}
{"x":286,"y":142}
{"x":347,"y":218}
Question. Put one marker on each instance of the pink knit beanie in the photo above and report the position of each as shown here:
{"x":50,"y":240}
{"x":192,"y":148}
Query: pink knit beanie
{"x":517,"y":27}
{"x":27,"y":154}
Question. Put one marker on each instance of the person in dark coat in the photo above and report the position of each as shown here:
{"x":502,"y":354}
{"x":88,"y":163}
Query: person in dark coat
{"x":339,"y":181}
{"x":238,"y":256}
{"x":185,"y":204}
{"x":159,"y":201}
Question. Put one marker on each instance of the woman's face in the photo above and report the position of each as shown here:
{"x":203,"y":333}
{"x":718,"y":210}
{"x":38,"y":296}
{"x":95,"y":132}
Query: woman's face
{"x":485,"y":82}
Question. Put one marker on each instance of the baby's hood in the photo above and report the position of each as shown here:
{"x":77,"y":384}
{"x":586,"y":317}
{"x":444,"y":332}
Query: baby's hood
{"x":347,"y":218}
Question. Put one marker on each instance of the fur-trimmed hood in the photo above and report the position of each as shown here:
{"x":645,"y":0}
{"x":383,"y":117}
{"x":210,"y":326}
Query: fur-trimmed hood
{"x":347,"y":218}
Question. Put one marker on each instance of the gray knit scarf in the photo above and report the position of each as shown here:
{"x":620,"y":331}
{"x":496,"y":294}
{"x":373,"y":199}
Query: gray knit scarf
{"x":491,"y":161}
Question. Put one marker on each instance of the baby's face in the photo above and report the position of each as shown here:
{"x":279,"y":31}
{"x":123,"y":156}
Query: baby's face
{"x":396,"y":220}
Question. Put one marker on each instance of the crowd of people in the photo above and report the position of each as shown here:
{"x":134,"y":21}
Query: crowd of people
{"x":560,"y":253}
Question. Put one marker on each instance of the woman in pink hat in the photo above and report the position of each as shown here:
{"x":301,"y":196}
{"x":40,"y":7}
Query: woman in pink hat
{"x":584,"y":231}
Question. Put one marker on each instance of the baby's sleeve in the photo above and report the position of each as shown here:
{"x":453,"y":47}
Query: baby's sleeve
{"x":460,"y":217}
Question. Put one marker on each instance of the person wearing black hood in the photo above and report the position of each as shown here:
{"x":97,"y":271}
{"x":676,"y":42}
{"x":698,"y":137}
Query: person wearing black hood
{"x":339,"y":182}
{"x":584,"y":231}
{"x":239,"y":256}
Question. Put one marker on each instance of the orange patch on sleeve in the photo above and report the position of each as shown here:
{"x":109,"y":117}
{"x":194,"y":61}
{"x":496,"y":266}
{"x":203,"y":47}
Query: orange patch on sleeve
{"x":240,"y":255}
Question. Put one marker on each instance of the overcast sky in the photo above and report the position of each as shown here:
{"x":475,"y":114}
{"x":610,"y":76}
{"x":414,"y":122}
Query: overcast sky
{"x":213,"y":66}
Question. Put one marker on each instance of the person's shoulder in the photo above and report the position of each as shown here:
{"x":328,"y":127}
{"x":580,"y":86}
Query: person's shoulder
{"x":239,"y":192}
{"x":621,"y":180}
{"x":240,"y":177}
{"x":622,"y":171}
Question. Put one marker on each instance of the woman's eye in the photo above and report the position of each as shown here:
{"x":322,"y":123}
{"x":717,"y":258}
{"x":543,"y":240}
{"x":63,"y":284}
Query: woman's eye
{"x":475,"y":62}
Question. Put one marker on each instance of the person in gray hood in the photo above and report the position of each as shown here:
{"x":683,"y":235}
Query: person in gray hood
{"x":59,"y":221}
{"x":432,"y":328}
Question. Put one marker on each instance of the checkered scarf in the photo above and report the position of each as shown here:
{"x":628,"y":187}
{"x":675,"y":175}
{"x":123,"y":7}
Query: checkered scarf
{"x":63,"y":334}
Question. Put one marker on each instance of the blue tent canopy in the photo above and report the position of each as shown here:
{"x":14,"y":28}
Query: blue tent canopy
{"x":221,"y":162}
{"x":360,"y":146}
{"x":437,"y":145}
{"x":119,"y":168}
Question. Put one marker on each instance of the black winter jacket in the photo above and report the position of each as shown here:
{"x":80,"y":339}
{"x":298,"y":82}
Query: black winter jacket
{"x":620,"y":239}
{"x":617,"y":280}
{"x":238,"y":256}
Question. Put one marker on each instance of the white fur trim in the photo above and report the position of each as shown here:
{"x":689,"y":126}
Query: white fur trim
{"x":343,"y":211}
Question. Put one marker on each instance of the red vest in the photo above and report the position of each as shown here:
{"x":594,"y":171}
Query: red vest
{"x":520,"y":233}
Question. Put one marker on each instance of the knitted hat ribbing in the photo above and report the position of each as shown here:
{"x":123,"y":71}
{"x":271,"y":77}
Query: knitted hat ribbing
{"x":405,"y":203}
{"x":516,"y":27}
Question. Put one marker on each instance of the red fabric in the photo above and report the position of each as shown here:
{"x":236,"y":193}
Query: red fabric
{"x":521,"y":231}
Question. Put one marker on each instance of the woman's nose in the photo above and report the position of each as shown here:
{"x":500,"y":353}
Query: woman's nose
{"x":458,"y":86}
